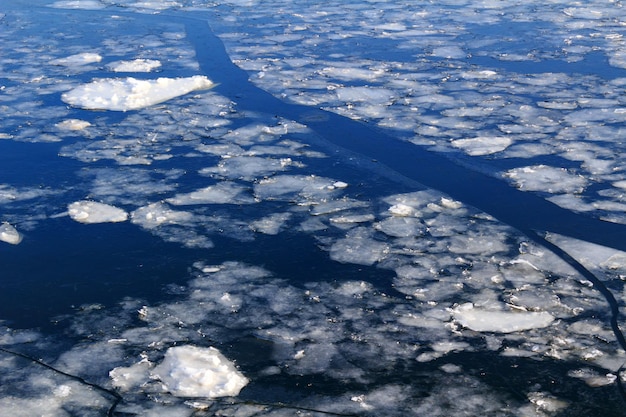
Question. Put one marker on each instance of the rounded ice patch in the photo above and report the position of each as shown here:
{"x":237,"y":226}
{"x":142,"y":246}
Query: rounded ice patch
{"x":93,"y":212}
{"x":191,"y":371}
{"x":9,"y":234}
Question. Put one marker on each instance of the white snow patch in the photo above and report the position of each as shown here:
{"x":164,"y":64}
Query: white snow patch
{"x":123,"y":94}
{"x":482,"y":320}
{"x":86,"y":211}
{"x":191,"y":371}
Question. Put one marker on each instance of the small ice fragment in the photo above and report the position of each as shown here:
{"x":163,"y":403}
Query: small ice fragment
{"x":137,"y":65}
{"x":93,"y":212}
{"x":9,"y":234}
{"x":481,"y":320}
{"x":401,"y":210}
{"x":73,"y":124}
{"x":77,"y":59}
{"x":191,"y":371}
{"x":123,"y":94}
{"x":127,"y":377}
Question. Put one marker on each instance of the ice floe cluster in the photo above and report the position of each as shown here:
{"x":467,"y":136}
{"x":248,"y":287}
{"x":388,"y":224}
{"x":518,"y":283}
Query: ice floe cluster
{"x":454,"y":83}
{"x":320,"y":281}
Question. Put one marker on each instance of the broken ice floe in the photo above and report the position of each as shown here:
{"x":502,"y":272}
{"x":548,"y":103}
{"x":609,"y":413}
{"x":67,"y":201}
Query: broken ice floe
{"x":73,"y":124}
{"x":547,"y":179}
{"x":186,"y":371}
{"x":78,"y":59}
{"x":131,"y":93}
{"x":482,"y":145}
{"x":9,"y":234}
{"x":136,"y":65}
{"x":482,"y":320}
{"x":86,"y":211}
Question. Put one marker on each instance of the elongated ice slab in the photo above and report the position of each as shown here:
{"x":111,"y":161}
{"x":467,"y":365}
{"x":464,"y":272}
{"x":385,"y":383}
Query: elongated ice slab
{"x":77,"y":59}
{"x":93,"y":212}
{"x":9,"y":234}
{"x":481,"y":320}
{"x":190,"y":371}
{"x":136,"y":65}
{"x":123,"y":94}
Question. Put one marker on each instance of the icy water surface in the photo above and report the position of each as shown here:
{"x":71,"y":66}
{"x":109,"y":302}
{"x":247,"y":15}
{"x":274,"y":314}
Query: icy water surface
{"x":268,"y":208}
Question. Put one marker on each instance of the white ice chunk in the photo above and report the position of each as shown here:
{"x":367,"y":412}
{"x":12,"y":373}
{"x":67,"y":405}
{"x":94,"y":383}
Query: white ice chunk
{"x":370,"y":95}
{"x":547,"y":179}
{"x":127,"y":377}
{"x":449,"y":51}
{"x":294,"y":186}
{"x":402,"y":210}
{"x":73,"y":124}
{"x":136,"y":65}
{"x":483,"y":145}
{"x":78,"y":4}
{"x":482,"y":320}
{"x":358,"y":248}
{"x":77,"y":59}
{"x":9,"y":234}
{"x":156,"y":214}
{"x":86,"y":211}
{"x":222,"y":193}
{"x":272,"y":224}
{"x":123,"y":94}
{"x":401,"y":226}
{"x":191,"y":371}
{"x":247,"y":167}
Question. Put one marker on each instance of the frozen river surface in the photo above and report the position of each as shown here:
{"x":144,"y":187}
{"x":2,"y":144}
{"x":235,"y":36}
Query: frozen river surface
{"x":277,"y":208}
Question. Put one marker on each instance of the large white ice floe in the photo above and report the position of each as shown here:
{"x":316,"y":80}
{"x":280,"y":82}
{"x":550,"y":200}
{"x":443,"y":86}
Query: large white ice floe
{"x":483,"y":320}
{"x":86,"y":211}
{"x":191,"y":371}
{"x":9,"y":234}
{"x":123,"y":94}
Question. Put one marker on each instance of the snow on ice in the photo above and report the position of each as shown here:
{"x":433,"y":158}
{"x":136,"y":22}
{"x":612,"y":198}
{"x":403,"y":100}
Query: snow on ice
{"x":86,"y":211}
{"x":122,"y":94}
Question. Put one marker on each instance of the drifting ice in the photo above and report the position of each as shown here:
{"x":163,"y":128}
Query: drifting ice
{"x":94,"y":212}
{"x":500,"y":321}
{"x":190,"y":371}
{"x":132,"y":94}
{"x":9,"y":234}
